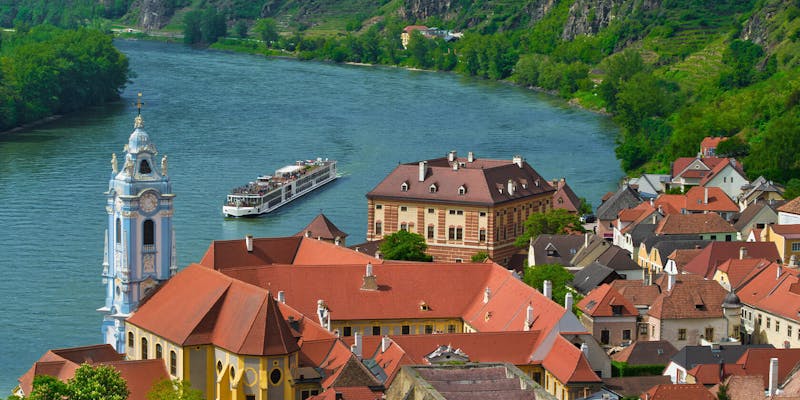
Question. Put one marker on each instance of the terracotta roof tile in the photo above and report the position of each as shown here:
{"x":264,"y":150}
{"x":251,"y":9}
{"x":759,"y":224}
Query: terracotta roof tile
{"x":568,"y":364}
{"x":710,"y":374}
{"x":683,"y":256}
{"x":691,"y":297}
{"x":682,"y":224}
{"x":349,"y":393}
{"x":693,"y":391}
{"x":564,"y":197}
{"x":741,"y":387}
{"x":636,"y":291}
{"x":792,"y":207}
{"x":771,"y":291}
{"x":711,"y":141}
{"x":718,"y":201}
{"x":737,"y":270}
{"x":485,"y":181}
{"x":787,"y":231}
{"x":601,"y":302}
{"x":671,"y":203}
{"x":140,"y":375}
{"x":716,"y":253}
{"x":679,"y":167}
{"x":756,"y":362}
{"x":322,"y":227}
{"x":633,"y":386}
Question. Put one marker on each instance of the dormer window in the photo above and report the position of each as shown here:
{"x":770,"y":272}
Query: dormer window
{"x":616,"y":310}
{"x":423,"y":306}
{"x":144,"y":167}
{"x":462,"y":190}
{"x":433,"y":188}
{"x":404,"y":187}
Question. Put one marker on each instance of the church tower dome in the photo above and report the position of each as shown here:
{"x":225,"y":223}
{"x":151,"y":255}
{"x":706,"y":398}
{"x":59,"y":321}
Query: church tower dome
{"x":139,"y":249}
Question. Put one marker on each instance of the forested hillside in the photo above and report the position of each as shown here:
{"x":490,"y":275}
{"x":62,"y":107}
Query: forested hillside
{"x":670,"y":71}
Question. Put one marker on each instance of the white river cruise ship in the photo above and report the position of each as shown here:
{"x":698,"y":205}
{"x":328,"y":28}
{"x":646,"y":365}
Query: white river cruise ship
{"x":268,"y":193}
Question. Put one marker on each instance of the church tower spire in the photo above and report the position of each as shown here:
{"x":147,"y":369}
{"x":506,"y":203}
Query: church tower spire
{"x":139,"y":249}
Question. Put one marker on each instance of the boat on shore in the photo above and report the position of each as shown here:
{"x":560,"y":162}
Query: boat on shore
{"x":269,"y":192}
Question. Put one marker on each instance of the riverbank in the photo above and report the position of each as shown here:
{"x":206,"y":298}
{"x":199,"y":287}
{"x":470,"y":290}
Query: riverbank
{"x":31,"y":124}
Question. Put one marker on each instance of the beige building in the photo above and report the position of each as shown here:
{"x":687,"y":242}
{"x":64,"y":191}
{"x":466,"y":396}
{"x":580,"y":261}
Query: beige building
{"x":460,"y":205}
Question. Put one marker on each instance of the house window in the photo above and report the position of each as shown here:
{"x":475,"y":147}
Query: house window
{"x":173,"y":363}
{"x":682,"y":334}
{"x":459,"y":212}
{"x":788,"y":331}
{"x":712,"y":237}
{"x":433,"y":188}
{"x":459,"y":233}
{"x":250,"y":397}
{"x":452,"y":212}
{"x":796,"y":246}
{"x":403,"y":226}
{"x":119,"y":231}
{"x":452,"y":328}
{"x":482,"y":235}
{"x":378,"y":206}
{"x":159,"y":351}
{"x":275,"y":376}
{"x":616,"y":310}
{"x":769,"y":320}
{"x":430,"y":211}
{"x":643,"y":329}
{"x":626,"y":334}
{"x":405,"y":329}
{"x":404,"y":187}
{"x":430,"y":231}
{"x":378,"y":228}
{"x":428,"y":329}
{"x":710,"y":334}
{"x":462,"y":190}
{"x":149,"y":236}
{"x":482,"y":214}
{"x":347,"y":331}
{"x":728,"y":238}
{"x":403,"y":208}
{"x":376,"y":330}
{"x":777,"y":326}
{"x":459,"y":260}
{"x":604,"y":336}
{"x":144,"y":349}
{"x":130,"y":341}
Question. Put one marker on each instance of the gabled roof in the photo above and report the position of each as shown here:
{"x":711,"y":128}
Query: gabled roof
{"x":602,"y":301}
{"x":791,"y":207}
{"x":774,"y":289}
{"x":637,"y":292}
{"x":690,"y":297}
{"x":694,"y":167}
{"x":641,"y":232}
{"x":787,"y":231}
{"x":711,"y":141}
{"x":683,"y":256}
{"x":202,"y":306}
{"x":349,"y":393}
{"x":756,"y":362}
{"x":682,"y":224}
{"x":712,"y":374}
{"x":669,"y":243}
{"x":716,"y":201}
{"x":693,"y":391}
{"x":716,"y":253}
{"x":751,"y":212}
{"x":690,"y":356}
{"x":618,"y":259}
{"x":633,"y":386}
{"x":737,"y":270}
{"x":563,"y":248}
{"x":592,"y":275}
{"x":486,"y":182}
{"x":568,"y":364}
{"x":742,"y":387}
{"x":644,"y":352}
{"x":671,"y":203}
{"x":564,"y":197}
{"x":322,"y":227}
{"x":625,"y":197}
{"x":731,"y":165}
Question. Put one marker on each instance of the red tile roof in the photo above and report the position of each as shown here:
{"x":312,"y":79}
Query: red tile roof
{"x":684,"y":224}
{"x":710,"y":374}
{"x":568,"y":364}
{"x":600,"y":301}
{"x":711,"y":141}
{"x":718,"y":201}
{"x":636,"y":291}
{"x":683,"y":256}
{"x":564,"y":197}
{"x":691,"y":297}
{"x":716,"y":253}
{"x":410,"y":28}
{"x":485,"y":181}
{"x":791,"y":207}
{"x":671,"y":203}
{"x":322,"y":227}
{"x":787,"y":231}
{"x":755,"y":361}
{"x":693,"y":391}
{"x":770,"y":291}
{"x":732,"y":163}
{"x":737,"y":269}
{"x":202,"y":306}
{"x":679,"y":167}
{"x":349,"y":393}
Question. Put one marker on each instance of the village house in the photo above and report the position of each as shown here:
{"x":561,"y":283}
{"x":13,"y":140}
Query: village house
{"x":717,"y":253}
{"x":770,"y":297}
{"x":650,"y":186}
{"x":755,"y":217}
{"x":321,"y":228}
{"x":609,"y":316}
{"x":789,"y":213}
{"x":690,"y":357}
{"x":564,"y":198}
{"x":725,"y":173}
{"x":760,"y":190}
{"x":460,"y":205}
{"x":728,"y":177}
{"x":708,"y":147}
{"x":608,"y":212}
{"x":786,"y":239}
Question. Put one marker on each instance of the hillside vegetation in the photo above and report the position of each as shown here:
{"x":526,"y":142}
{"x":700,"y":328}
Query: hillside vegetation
{"x":670,"y":71}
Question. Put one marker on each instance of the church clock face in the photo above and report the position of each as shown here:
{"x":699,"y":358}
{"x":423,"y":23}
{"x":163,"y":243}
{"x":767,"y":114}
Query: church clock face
{"x":148,"y":202}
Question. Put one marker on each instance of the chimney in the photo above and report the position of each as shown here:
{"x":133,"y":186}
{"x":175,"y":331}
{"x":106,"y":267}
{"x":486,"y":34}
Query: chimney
{"x":455,"y":165}
{"x":451,"y":156}
{"x":585,"y":350}
{"x":670,"y":281}
{"x":705,"y":195}
{"x":517,"y":160}
{"x":385,"y":343}
{"x":510,"y":187}
{"x":470,"y":157}
{"x":370,"y":280}
{"x":422,"y":171}
{"x":568,"y":302}
{"x":337,"y":241}
{"x":528,"y":317}
{"x":651,"y":202}
{"x":248,"y":240}
{"x":742,"y":253}
{"x":548,"y":289}
{"x":357,"y":345}
{"x":308,"y":234}
{"x":773,"y":377}
{"x":486,"y":294}
{"x":282,"y":296}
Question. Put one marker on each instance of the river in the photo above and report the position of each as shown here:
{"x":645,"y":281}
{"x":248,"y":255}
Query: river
{"x":223,"y":119}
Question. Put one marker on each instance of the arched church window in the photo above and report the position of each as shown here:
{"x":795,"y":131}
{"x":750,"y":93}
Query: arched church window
{"x":118,"y":231}
{"x":144,"y":348}
{"x":149,"y":232}
{"x":130,"y":340}
{"x":173,"y":363}
{"x":159,"y":351}
{"x":144,"y":167}
{"x":275,"y":376}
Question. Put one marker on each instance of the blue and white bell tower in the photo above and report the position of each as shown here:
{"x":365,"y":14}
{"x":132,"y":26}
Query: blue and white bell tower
{"x":139,"y":241}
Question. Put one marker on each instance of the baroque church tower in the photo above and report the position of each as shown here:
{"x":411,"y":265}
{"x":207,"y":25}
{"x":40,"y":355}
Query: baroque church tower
{"x":140,"y":240}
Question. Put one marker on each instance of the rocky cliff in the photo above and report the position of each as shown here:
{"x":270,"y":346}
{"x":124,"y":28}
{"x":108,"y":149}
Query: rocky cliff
{"x":588,"y":17}
{"x":152,"y":14}
{"x":423,"y":9}
{"x":756,"y":28}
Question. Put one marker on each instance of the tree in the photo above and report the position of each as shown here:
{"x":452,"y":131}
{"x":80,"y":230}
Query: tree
{"x":404,"y":245}
{"x":173,"y":390}
{"x":241,"y":28}
{"x":722,"y":393}
{"x":733,"y":146}
{"x":89,"y":383}
{"x":267,"y":30}
{"x":554,"y":222}
{"x":555,"y":273}
{"x":46,"y":387}
{"x":585,"y":207}
{"x":192,"y":32}
{"x":480,"y":256}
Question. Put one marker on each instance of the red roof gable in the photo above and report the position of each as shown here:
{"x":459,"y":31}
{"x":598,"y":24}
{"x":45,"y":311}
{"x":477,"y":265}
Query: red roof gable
{"x":711,"y":141}
{"x":568,"y":364}
{"x":791,"y":207}
{"x":716,"y":253}
{"x":691,"y":297}
{"x":686,"y":224}
{"x":694,"y":391}
{"x":774,"y":289}
{"x":600,"y":302}
{"x":755,"y":361}
{"x":787,"y":231}
{"x":737,"y":269}
{"x":732,"y":164}
{"x":717,"y":200}
{"x":322,"y":227}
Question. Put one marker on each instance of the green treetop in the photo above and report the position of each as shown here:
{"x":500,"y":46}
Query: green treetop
{"x":554,"y":222}
{"x":404,"y":245}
